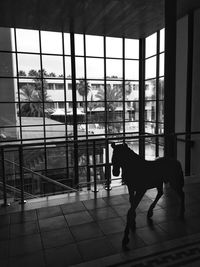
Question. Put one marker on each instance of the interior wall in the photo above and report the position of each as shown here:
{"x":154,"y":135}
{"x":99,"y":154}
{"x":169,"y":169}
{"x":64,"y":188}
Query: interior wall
{"x":181,"y":84}
{"x":195,"y":121}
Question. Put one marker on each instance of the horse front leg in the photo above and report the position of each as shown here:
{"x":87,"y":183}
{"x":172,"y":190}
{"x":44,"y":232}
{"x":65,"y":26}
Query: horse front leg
{"x":131,"y":214}
{"x":159,"y":195}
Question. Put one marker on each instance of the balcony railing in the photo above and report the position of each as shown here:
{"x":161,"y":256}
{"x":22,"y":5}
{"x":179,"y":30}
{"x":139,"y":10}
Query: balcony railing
{"x":42,"y":169}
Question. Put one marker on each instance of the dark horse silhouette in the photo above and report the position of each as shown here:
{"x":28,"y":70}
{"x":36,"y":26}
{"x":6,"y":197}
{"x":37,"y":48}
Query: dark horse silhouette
{"x":140,"y":175}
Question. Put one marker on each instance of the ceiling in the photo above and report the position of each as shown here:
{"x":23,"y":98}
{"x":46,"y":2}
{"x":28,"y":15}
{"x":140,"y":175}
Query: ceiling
{"x":117,"y":18}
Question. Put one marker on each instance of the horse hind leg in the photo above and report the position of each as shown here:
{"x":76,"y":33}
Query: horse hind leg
{"x":158,"y":196}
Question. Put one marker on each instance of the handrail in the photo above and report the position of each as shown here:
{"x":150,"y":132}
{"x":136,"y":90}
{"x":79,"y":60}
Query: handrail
{"x":133,"y":136}
{"x":44,"y":177}
{"x":12,"y":188}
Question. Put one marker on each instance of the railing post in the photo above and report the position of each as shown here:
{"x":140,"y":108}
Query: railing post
{"x":108,"y":169}
{"x":4,"y":179}
{"x":95,"y":190}
{"x":21,"y":170}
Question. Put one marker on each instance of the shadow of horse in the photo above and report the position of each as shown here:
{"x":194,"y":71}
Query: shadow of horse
{"x":140,"y":175}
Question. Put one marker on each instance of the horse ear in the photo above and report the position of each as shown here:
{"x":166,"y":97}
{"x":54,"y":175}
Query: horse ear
{"x":112,"y":145}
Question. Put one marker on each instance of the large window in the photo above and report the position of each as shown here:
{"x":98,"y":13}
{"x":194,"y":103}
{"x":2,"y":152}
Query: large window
{"x":154,"y":93}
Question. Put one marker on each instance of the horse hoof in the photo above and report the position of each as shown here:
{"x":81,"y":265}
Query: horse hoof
{"x":149,"y":214}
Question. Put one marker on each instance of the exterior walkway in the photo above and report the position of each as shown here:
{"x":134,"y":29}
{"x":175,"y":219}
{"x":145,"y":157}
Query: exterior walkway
{"x":88,"y":232}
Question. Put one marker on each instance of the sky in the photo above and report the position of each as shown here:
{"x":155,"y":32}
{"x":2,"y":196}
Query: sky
{"x":51,"y":42}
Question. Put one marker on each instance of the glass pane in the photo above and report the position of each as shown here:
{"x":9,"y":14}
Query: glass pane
{"x":68,"y":71}
{"x":114,"y":68}
{"x":161,"y":111}
{"x":32,"y":109}
{"x":33,"y":132}
{"x":131,"y":69}
{"x":94,"y":46}
{"x":131,"y":48}
{"x":162,"y":62}
{"x":80,"y":72}
{"x":55,"y":90}
{"x":67,"y":44}
{"x":132,"y":126}
{"x":150,"y":149}
{"x":8,"y":90}
{"x":30,"y":64}
{"x":30,"y":90}
{"x":95,"y":87}
{"x":7,"y":65}
{"x":96,"y":112}
{"x":162,"y":40}
{"x":114,"y":111}
{"x":68,"y":90}
{"x":135,"y":110}
{"x":113,"y":47}
{"x":7,"y":133}
{"x":151,"y":45}
{"x":131,"y":90}
{"x":51,"y":42}
{"x":150,"y":90}
{"x":54,"y":130}
{"x":53,"y":66}
{"x":27,"y":40}
{"x":161,"y":89}
{"x":95,"y":68}
{"x":114,"y":127}
{"x":8,"y":114}
{"x":150,"y":68}
{"x":150,"y":111}
{"x":83,"y":90}
{"x":79,"y":48}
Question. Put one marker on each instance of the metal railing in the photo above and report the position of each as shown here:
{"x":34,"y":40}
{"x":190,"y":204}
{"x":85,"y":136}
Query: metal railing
{"x":33,"y":173}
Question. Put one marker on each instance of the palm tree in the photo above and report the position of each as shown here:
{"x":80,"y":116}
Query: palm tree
{"x":83,"y":88}
{"x":32,"y":97}
{"x":113,"y":95}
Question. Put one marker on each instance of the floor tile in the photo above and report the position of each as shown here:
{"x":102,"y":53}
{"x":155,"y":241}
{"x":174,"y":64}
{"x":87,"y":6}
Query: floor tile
{"x":53,"y":223}
{"x":29,"y":260}
{"x":73,"y":207}
{"x":152,"y":235}
{"x":4,"y":249}
{"x":103,"y":213}
{"x":122,"y":209}
{"x":95,"y":248}
{"x":94,"y":203}
{"x":116,"y":241}
{"x":49,"y":212}
{"x":111,"y":226}
{"x":116,"y":200}
{"x":4,"y":232}
{"x":4,"y":220}
{"x":63,"y":256}
{"x":25,"y":216}
{"x":24,"y":245}
{"x":86,"y":231}
{"x":78,"y":218}
{"x":57,"y":238}
{"x":22,"y":229}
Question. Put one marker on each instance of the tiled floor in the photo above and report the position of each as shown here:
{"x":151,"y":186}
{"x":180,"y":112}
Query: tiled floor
{"x":89,"y":232}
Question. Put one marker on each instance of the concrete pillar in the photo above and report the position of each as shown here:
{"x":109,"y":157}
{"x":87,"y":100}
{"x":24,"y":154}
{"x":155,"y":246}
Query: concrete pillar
{"x":7,"y":88}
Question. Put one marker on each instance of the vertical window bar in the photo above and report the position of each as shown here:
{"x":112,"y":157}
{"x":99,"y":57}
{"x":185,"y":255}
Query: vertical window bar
{"x":157,"y":92}
{"x":18,"y":90}
{"x":65,"y":107}
{"x":42,"y":87}
{"x":86,"y":116}
{"x":74,"y":101}
{"x":105,"y":89}
{"x":141,"y":95}
{"x":123,"y":86}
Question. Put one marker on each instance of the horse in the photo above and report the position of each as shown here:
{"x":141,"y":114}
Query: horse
{"x":140,"y":175}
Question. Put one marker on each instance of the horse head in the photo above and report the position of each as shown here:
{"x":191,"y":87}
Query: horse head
{"x":117,"y":157}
